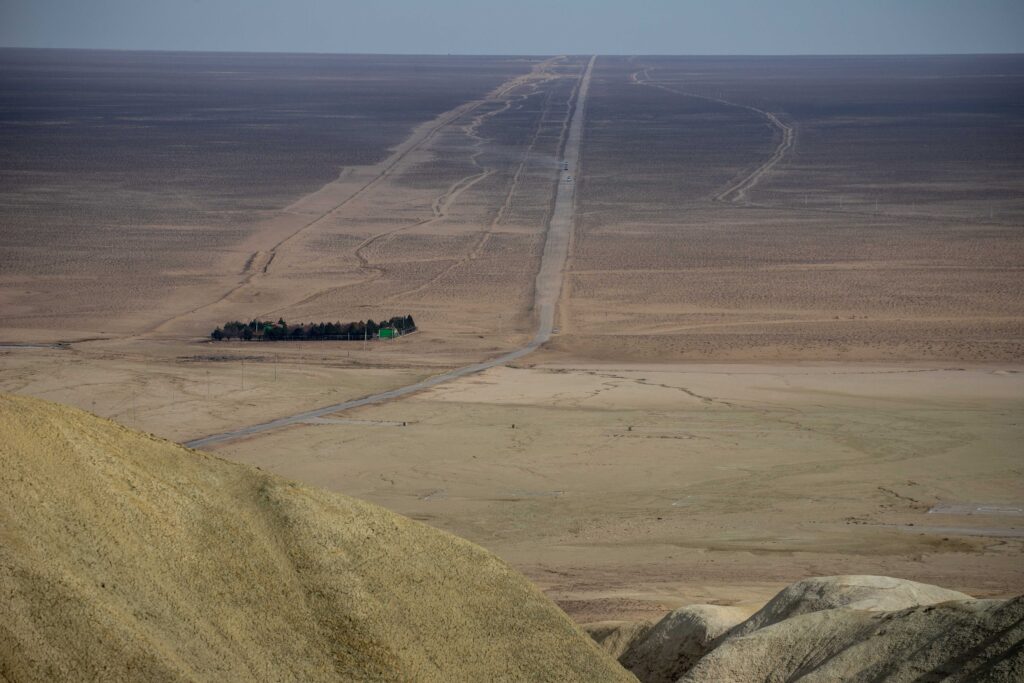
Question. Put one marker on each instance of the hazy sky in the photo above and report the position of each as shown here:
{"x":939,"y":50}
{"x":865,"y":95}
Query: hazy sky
{"x":521,"y":26}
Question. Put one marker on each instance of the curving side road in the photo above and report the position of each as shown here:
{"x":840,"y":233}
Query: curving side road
{"x":547,"y":290}
{"x":737,"y":191}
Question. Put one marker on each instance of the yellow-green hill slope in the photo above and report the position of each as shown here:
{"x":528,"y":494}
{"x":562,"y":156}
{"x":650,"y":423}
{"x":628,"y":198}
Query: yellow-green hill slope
{"x":123,"y":556}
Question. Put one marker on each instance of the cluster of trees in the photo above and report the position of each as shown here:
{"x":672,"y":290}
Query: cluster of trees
{"x":265,"y":330}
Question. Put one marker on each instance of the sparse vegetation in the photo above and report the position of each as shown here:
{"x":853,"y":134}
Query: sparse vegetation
{"x":266,"y":330}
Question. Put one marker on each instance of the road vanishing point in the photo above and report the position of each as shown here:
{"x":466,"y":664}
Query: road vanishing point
{"x":547,"y":291}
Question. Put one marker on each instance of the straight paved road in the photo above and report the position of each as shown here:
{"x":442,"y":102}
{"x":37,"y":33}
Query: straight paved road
{"x":547,"y":291}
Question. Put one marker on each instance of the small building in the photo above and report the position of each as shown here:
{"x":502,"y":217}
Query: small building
{"x":387,"y":333}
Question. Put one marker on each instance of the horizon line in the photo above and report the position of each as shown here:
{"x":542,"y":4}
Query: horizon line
{"x":512,"y":54}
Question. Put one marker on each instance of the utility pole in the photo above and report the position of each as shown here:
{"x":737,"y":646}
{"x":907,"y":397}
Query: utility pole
{"x":243,"y":374}
{"x":207,"y":385}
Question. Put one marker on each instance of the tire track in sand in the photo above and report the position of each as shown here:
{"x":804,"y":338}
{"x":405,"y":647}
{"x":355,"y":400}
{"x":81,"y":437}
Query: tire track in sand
{"x":547,"y":292}
{"x":500,"y":216}
{"x":442,"y":203}
{"x":736,"y":192}
{"x":258,"y":263}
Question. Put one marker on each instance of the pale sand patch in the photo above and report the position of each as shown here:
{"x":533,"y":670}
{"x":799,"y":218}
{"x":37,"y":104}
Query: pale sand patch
{"x":182,"y":390}
{"x":626,"y":490}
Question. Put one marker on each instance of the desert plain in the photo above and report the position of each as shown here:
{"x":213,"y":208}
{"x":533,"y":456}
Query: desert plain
{"x":788,"y":341}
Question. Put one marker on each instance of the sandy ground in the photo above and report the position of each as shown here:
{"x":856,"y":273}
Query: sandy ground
{"x":628,"y":485}
{"x":181,"y":390}
{"x":450,"y":225}
{"x":625,"y":490}
{"x":791,"y":215}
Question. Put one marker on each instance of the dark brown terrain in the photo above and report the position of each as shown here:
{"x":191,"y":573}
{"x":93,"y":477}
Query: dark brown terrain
{"x":125,"y":176}
{"x":889,"y":227}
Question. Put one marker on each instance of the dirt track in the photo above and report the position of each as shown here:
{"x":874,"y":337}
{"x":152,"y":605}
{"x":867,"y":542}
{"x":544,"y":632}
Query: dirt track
{"x":737,"y":191}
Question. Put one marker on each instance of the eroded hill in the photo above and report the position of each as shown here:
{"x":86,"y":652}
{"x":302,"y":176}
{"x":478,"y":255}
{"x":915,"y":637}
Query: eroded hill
{"x":124,"y":556}
{"x":834,"y":628}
